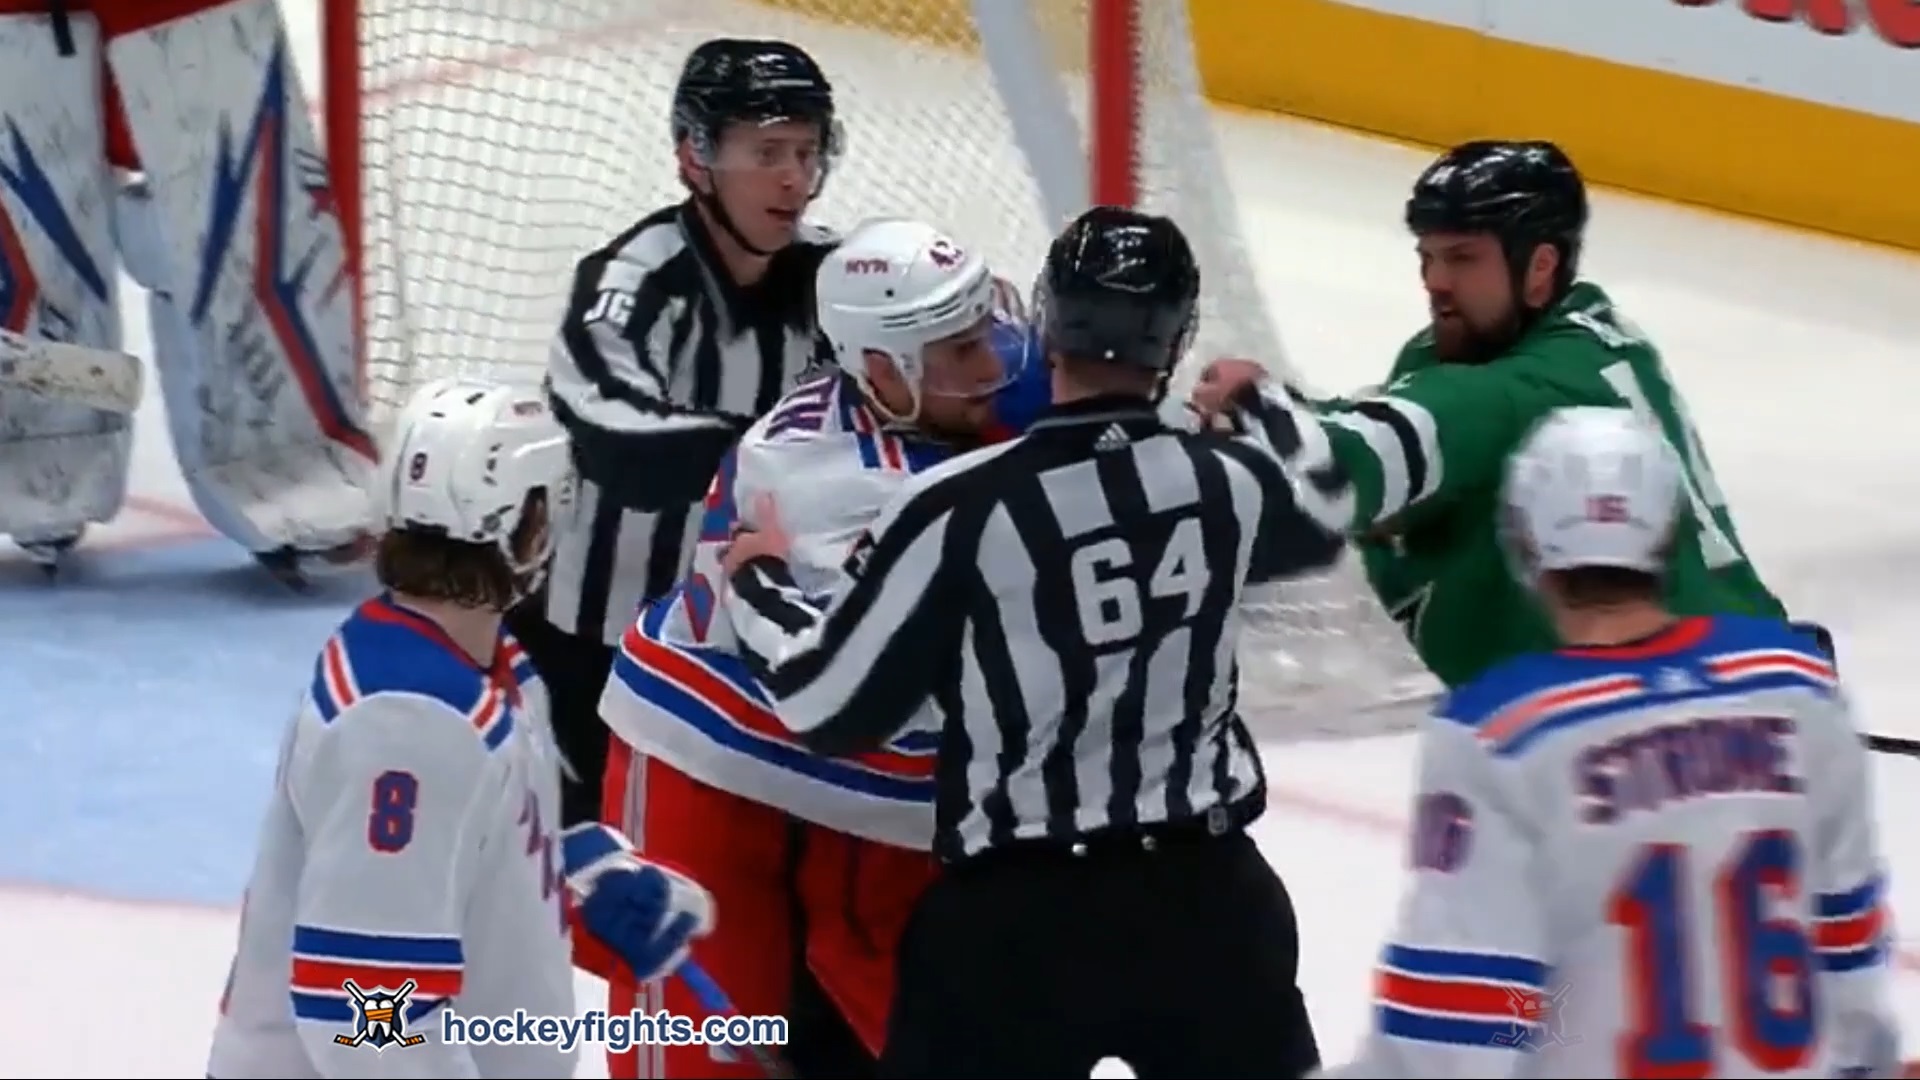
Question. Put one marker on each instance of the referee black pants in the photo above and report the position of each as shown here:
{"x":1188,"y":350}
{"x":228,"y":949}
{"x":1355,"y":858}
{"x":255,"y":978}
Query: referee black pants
{"x":1180,"y":960}
{"x":574,"y":670}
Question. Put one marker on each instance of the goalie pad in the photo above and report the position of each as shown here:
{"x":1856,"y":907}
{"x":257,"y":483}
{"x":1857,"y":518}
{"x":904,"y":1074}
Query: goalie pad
{"x":235,"y":235}
{"x":62,"y":466}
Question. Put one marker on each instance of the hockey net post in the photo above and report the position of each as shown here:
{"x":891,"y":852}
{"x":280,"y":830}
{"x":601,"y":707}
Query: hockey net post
{"x":481,"y":147}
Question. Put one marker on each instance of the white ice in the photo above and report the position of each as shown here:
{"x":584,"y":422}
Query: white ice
{"x":1795,"y":351}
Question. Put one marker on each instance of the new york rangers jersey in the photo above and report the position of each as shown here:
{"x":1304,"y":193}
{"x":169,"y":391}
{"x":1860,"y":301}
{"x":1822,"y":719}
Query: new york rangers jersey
{"x":1651,"y":860}
{"x":680,"y":691}
{"x":408,"y":840}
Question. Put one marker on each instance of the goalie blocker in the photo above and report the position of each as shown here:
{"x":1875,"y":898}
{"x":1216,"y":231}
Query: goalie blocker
{"x":209,"y":188}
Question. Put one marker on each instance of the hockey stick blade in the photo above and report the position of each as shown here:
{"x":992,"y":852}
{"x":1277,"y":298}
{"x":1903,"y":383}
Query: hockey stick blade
{"x":715,"y":1001}
{"x":1892,"y":744}
{"x":97,"y":378}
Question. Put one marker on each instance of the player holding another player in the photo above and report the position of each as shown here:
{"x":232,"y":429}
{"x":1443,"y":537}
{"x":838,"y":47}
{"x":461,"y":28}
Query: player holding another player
{"x":1650,"y":852}
{"x":816,"y":858}
{"x":1063,"y":605}
{"x":171,"y":137}
{"x":1515,"y":333}
{"x":411,"y":847}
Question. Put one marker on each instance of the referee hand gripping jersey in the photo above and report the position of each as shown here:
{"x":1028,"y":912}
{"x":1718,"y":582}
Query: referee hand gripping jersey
{"x":1068,"y":602}
{"x":678,"y":335}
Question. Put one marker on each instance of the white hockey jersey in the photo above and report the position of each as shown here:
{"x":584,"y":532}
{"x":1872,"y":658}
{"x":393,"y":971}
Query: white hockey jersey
{"x":1652,"y":860}
{"x":680,"y":691}
{"x":411,"y":836}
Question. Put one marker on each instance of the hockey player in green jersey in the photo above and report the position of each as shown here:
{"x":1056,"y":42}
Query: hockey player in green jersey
{"x":1515,"y":334}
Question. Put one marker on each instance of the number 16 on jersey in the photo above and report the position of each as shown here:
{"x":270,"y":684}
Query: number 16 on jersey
{"x":1756,"y":999}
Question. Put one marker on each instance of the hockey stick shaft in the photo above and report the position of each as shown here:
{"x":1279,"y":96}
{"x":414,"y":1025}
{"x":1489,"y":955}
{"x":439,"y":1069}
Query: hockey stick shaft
{"x":97,"y":378}
{"x":1892,"y":744}
{"x":716,"y":1001}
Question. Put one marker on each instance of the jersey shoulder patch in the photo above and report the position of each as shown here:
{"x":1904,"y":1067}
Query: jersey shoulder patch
{"x":383,"y":649}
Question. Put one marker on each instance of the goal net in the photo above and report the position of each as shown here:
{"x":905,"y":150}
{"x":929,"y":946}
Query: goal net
{"x":484,"y":146}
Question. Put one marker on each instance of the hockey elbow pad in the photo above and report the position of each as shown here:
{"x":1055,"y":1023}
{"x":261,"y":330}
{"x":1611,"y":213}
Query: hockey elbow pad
{"x":647,"y":915}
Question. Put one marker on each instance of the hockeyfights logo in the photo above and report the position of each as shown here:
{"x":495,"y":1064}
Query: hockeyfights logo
{"x":380,"y":1017}
{"x":1539,"y":1021}
{"x":380,"y":1022}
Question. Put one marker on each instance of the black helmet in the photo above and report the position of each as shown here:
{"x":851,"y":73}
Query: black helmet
{"x":728,"y":80}
{"x":1120,"y":286}
{"x":1524,"y":193}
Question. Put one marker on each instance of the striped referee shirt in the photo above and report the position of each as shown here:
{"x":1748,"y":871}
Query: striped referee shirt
{"x":661,"y":362}
{"x":1068,"y":602}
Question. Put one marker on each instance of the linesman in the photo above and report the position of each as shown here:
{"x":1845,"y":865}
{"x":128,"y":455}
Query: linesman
{"x":1065,"y":602}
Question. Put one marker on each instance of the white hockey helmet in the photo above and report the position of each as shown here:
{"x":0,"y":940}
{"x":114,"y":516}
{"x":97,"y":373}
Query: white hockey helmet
{"x":895,"y":286}
{"x":1592,"y":486}
{"x":463,"y":458}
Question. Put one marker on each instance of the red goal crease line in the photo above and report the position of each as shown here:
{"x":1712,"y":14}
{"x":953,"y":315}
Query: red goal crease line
{"x":1361,"y":819}
{"x":445,"y":73}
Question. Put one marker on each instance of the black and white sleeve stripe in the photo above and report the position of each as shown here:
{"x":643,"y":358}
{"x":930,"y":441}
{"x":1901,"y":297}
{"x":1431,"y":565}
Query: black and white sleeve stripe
{"x":852,"y":677}
{"x":1306,"y":502}
{"x":635,"y":309}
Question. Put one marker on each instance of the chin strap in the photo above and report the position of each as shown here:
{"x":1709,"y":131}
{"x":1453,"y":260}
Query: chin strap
{"x":717,"y":211}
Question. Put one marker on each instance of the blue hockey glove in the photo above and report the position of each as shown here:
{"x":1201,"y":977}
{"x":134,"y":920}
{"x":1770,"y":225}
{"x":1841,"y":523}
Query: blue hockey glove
{"x":646,"y":914}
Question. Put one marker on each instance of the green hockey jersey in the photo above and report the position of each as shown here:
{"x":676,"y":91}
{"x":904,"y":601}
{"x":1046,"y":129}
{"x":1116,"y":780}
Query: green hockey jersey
{"x":1428,"y":454}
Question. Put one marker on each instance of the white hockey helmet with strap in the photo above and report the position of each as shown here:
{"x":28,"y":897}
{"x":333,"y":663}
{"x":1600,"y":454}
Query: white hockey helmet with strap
{"x":895,"y":286}
{"x":1592,"y":486}
{"x":464,"y":458}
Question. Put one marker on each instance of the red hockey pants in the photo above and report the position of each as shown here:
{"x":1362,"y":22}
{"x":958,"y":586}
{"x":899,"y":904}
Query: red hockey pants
{"x":850,"y":898}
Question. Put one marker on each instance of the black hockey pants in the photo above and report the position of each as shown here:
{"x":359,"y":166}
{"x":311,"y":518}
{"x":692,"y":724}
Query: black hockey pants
{"x":575,"y":671}
{"x":1180,"y":959}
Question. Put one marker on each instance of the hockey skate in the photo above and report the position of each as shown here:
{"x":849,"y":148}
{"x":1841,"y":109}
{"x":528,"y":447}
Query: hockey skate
{"x":50,"y":554}
{"x":289,"y":565}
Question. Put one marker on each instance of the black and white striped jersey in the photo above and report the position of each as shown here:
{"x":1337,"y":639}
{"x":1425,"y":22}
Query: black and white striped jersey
{"x":660,"y":364}
{"x":1069,"y":604}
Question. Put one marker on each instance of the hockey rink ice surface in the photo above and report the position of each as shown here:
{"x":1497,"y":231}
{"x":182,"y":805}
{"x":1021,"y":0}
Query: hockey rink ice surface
{"x":147,"y":691}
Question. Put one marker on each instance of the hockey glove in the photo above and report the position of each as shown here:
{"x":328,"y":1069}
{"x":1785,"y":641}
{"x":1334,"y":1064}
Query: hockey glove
{"x":645,"y":914}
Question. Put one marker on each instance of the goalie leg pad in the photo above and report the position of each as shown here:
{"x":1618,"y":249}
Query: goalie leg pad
{"x":240,"y":510}
{"x":62,"y":466}
{"x":245,"y":258}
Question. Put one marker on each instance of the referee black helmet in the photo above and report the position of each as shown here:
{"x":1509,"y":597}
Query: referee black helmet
{"x":1121,"y":287}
